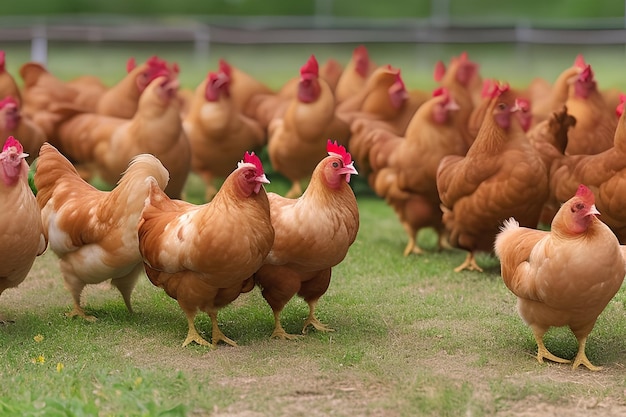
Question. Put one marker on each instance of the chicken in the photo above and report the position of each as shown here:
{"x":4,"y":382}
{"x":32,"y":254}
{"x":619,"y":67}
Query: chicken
{"x":405,"y":174}
{"x":355,"y":74}
{"x":604,"y":173}
{"x":218,"y":132}
{"x":462,"y":79}
{"x":595,"y":122}
{"x":8,"y":86}
{"x":331,"y":71}
{"x":42,"y":91}
{"x":206,"y":268}
{"x":383,"y":102}
{"x":501,"y":176}
{"x":109,"y":143}
{"x":122,"y":99}
{"x":313,"y":234}
{"x":93,"y":232}
{"x":552,"y":276}
{"x":297,"y":141}
{"x":13,"y":123}
{"x":23,"y":237}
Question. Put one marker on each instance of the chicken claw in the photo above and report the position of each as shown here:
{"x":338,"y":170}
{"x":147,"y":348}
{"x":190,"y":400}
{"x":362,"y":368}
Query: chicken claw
{"x":193,"y":335}
{"x":412,"y":247}
{"x":78,"y":311}
{"x":217,"y":334}
{"x":469,"y":263}
{"x":542,"y":350}
{"x":280,"y":333}
{"x":581,"y":357}
{"x":319,"y":326}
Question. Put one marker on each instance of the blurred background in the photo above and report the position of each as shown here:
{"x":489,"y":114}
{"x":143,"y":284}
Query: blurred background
{"x":512,"y":41}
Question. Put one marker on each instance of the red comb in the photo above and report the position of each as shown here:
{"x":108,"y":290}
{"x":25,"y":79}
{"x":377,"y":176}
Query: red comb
{"x":2,"y":60}
{"x":440,"y":71}
{"x":131,"y":64}
{"x":333,"y":148}
{"x":587,"y":74}
{"x":619,"y":110}
{"x":311,"y":67}
{"x":498,"y":89}
{"x":251,"y":158}
{"x":488,"y":86}
{"x":463,"y":56}
{"x":7,"y":100}
{"x":225,"y":67}
{"x":586,"y":194}
{"x":12,"y":142}
{"x":360,"y":50}
{"x":580,"y":61}
{"x":441,"y":91}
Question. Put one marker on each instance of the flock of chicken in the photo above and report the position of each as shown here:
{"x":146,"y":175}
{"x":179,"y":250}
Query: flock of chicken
{"x":477,"y":160}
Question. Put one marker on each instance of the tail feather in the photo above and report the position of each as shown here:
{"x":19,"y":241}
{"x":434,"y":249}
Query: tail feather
{"x":51,"y":167}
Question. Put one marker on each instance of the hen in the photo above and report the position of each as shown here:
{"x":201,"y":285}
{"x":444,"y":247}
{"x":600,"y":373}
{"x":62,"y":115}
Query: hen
{"x":501,"y":176}
{"x":204,"y":256}
{"x":217,"y":130}
{"x":405,"y":173}
{"x":297,"y":140}
{"x":109,"y":143}
{"x":23,"y":236}
{"x":595,"y":122}
{"x":313,"y":234}
{"x":122,"y":99}
{"x":551,"y":275}
{"x":243,"y":87}
{"x":93,"y":232}
{"x":14,"y":123}
{"x":604,"y":173}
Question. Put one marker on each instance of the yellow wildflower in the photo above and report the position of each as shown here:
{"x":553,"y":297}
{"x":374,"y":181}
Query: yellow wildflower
{"x":38,"y":338}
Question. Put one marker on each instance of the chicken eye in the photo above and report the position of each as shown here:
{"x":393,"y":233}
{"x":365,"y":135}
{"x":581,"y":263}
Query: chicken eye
{"x":335,"y":164}
{"x":502,"y":106}
{"x":577,"y":207}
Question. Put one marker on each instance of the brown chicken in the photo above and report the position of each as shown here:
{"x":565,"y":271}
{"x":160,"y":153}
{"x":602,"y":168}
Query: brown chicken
{"x":93,"y":232}
{"x":355,"y":74}
{"x":604,"y":173}
{"x":109,"y":143}
{"x":122,"y":99}
{"x":501,"y":176}
{"x":595,"y":122}
{"x":383,"y":102}
{"x":23,"y":237}
{"x":218,"y":132}
{"x":462,"y":79}
{"x":206,"y":268}
{"x":551,"y":274}
{"x":330,"y":71}
{"x":8,"y":86}
{"x":304,"y":251}
{"x":297,"y":141}
{"x":405,"y":174}
{"x":13,"y":123}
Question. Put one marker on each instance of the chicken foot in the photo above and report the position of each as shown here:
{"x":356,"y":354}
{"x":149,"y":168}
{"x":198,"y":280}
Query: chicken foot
{"x":412,"y":247}
{"x":581,"y":357}
{"x":543,"y":352}
{"x":469,"y":263}
{"x":313,"y":321}
{"x":217,"y":334}
{"x":192,"y":334}
{"x":79,"y":311}
{"x":279,"y":332}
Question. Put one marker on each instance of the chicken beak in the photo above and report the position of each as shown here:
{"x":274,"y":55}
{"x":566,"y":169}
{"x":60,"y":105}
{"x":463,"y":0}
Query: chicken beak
{"x":262,"y":179}
{"x":348,"y":170}
{"x":593,"y":211}
{"x":452,"y":105}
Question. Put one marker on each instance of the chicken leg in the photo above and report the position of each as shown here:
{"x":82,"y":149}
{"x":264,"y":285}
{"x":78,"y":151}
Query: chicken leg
{"x":279,"y":332}
{"x":581,"y":357}
{"x":127,"y":283}
{"x":217,"y":334}
{"x":469,"y":263}
{"x":542,"y":351}
{"x":192,"y":334}
{"x":313,"y":321}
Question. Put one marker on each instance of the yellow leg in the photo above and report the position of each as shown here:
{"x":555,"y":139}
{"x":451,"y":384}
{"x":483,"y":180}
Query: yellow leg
{"x":78,"y":311}
{"x":217,"y":334}
{"x":313,"y":321}
{"x":542,"y":351}
{"x":279,"y":332}
{"x":412,"y":247}
{"x":469,"y":264}
{"x":581,"y":357}
{"x":192,"y":334}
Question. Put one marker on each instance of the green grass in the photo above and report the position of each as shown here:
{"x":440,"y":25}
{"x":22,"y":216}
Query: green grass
{"x":412,"y":337}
